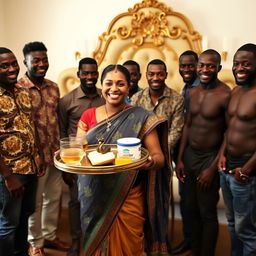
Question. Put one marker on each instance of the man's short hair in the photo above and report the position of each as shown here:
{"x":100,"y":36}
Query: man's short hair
{"x":213,"y":52}
{"x":157,"y":62}
{"x":5,"y":50}
{"x":132,"y":63}
{"x":33,"y":47}
{"x":190,"y":53}
{"x":248,"y":48}
{"x":87,"y":61}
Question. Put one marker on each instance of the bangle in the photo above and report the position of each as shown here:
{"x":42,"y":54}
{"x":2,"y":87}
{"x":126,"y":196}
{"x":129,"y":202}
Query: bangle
{"x":243,"y":176}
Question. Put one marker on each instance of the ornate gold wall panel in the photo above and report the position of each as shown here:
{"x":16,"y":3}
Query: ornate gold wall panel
{"x":147,"y":31}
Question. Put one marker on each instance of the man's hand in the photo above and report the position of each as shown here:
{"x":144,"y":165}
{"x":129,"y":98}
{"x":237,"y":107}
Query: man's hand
{"x":222,"y":163}
{"x":14,"y":186}
{"x":205,"y":178}
{"x":240,"y":176}
{"x":180,"y":171}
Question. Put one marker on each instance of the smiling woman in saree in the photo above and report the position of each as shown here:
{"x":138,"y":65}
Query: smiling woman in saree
{"x":119,"y":212}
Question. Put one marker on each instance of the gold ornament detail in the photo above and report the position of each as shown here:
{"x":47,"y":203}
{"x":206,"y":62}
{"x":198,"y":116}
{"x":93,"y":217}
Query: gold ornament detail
{"x":151,"y":3}
{"x":149,"y":25}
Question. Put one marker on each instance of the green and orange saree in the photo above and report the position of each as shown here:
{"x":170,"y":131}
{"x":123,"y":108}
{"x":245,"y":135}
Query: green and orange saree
{"x":116,"y":215}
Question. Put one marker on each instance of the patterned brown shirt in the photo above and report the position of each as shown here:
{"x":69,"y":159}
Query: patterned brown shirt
{"x":45,"y":100}
{"x":169,"y":105}
{"x":17,"y":137}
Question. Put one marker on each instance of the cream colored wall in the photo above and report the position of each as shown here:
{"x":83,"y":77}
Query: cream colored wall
{"x":65,"y":26}
{"x":2,"y":25}
{"x":218,"y":20}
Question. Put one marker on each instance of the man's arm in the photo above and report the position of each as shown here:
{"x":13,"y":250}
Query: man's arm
{"x":183,"y":144}
{"x":177,"y":123}
{"x":12,"y":183}
{"x":63,"y":118}
{"x":222,"y":155}
{"x":242,"y":174}
{"x":68,"y":178}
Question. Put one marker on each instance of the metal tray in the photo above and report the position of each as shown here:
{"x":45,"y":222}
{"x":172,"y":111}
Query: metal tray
{"x":87,"y":168}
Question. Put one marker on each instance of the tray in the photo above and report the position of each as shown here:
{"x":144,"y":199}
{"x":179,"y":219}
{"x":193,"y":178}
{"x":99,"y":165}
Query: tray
{"x":87,"y":168}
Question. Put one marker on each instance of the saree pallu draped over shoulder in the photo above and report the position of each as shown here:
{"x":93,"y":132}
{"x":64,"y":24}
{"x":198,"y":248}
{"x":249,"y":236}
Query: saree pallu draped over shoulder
{"x":105,"y":198}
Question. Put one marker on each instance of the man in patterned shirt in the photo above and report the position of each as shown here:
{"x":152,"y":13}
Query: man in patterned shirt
{"x":162,"y":100}
{"x":44,"y":96}
{"x":19,"y":160}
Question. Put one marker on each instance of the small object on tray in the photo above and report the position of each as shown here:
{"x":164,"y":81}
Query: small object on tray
{"x":87,"y":168}
{"x":103,"y":148}
{"x":97,"y":158}
{"x":129,"y":146}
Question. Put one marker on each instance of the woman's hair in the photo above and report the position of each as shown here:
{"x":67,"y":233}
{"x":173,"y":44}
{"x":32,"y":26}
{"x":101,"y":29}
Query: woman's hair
{"x":119,"y":68}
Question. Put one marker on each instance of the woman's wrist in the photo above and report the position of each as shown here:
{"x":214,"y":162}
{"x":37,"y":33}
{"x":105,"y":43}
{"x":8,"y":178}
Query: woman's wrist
{"x":158,"y":161}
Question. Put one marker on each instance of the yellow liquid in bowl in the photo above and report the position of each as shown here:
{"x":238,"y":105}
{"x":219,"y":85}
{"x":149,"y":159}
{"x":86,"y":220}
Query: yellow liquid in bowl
{"x":123,"y":160}
{"x":71,"y":155}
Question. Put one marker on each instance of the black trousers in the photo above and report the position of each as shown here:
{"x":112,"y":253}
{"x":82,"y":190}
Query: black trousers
{"x":201,"y":204}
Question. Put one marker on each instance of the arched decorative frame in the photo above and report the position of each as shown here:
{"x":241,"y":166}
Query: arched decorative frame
{"x":147,"y":31}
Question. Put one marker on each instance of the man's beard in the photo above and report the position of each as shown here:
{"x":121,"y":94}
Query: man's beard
{"x":88,"y":89}
{"x":248,"y":81}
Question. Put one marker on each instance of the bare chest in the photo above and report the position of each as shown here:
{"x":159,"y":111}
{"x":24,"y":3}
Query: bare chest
{"x":243,"y":105}
{"x":209,"y":104}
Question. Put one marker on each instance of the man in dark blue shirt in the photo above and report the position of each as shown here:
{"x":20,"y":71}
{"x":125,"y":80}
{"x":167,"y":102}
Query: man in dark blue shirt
{"x":187,"y":68}
{"x":134,"y":70}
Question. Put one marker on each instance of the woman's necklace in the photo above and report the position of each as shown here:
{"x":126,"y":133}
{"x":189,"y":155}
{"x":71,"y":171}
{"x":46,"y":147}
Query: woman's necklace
{"x":107,"y":117}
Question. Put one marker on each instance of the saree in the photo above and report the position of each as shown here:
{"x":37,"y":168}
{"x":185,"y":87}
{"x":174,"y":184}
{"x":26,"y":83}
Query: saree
{"x":102,"y":196}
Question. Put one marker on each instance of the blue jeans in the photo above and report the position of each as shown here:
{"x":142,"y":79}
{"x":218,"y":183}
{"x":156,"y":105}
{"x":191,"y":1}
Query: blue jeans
{"x":14,"y":213}
{"x":240,"y":201}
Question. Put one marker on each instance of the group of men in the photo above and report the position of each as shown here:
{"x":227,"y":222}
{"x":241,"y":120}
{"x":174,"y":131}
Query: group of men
{"x":214,"y":145}
{"x":218,"y":147}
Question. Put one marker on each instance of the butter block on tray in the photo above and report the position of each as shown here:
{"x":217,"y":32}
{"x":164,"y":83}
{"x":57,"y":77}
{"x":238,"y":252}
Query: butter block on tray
{"x":97,"y":158}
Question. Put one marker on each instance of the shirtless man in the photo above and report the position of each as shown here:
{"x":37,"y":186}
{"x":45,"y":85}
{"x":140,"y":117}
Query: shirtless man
{"x":197,"y":161}
{"x":238,"y":157}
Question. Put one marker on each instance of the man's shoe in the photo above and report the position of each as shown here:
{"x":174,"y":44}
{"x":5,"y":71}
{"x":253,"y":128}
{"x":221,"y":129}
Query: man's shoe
{"x":34,"y":251}
{"x":182,"y":247}
{"x":56,"y":244}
